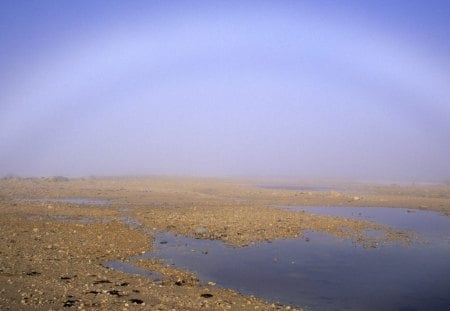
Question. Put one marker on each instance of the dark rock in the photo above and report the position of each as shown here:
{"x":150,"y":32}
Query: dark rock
{"x":206,"y":295}
{"x":102,"y":282}
{"x":137,"y":301}
{"x":115,"y":293}
{"x":69,"y":303}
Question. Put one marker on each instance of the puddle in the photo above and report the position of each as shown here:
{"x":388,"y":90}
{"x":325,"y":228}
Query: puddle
{"x":124,"y":209}
{"x":298,"y":188}
{"x":68,"y":218}
{"x":321,"y":272}
{"x":131,"y":222}
{"x":131,"y":269}
{"x":135,"y":224}
{"x":428,"y":224}
{"x":80,"y":201}
{"x":127,"y":220}
{"x":314,"y":188}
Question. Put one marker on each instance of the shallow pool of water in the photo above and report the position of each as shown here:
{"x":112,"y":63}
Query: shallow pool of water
{"x":67,"y":218}
{"x":131,"y":269}
{"x":427,"y":224}
{"x":321,"y":272}
{"x":315,"y":188}
{"x":298,"y":187}
{"x":81,"y":201}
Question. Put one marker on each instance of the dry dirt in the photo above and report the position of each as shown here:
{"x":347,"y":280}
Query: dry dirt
{"x":51,"y":253}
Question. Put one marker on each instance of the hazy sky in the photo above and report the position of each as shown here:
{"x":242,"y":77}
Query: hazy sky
{"x":323,"y":89}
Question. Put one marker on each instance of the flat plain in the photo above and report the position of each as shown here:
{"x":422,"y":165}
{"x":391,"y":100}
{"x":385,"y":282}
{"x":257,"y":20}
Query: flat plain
{"x":57,"y":233}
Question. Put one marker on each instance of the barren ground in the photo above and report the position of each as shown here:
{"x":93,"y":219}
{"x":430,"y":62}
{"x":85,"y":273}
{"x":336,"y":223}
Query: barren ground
{"x":51,"y":253}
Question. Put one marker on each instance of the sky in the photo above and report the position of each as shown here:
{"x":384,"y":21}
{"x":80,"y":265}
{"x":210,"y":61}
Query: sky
{"x":354,"y":90}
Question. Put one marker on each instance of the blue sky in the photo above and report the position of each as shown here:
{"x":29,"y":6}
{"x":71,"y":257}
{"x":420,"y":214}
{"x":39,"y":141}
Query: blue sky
{"x":314,"y":89}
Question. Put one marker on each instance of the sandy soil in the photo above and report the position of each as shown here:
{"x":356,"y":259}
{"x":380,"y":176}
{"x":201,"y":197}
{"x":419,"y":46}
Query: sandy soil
{"x":51,"y":253}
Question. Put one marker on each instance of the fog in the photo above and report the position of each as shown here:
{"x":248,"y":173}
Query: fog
{"x":354,"y":91}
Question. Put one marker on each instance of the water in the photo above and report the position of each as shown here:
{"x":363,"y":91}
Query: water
{"x":132,"y":269}
{"x":315,"y":188}
{"x":318,"y":272}
{"x":321,"y":272}
{"x":80,"y":201}
{"x":66,"y":218}
{"x":298,"y":188}
{"x":427,"y":224}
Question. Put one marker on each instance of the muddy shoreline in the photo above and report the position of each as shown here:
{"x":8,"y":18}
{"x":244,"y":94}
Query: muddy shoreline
{"x":51,"y":252}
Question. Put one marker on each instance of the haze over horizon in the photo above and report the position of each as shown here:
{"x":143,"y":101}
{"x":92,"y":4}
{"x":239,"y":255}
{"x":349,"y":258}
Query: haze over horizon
{"x":354,"y":90}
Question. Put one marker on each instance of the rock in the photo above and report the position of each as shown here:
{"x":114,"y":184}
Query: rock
{"x":137,"y":301}
{"x":206,"y":295}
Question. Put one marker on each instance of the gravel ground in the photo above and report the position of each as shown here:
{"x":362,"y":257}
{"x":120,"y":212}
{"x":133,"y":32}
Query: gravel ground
{"x":51,"y":253}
